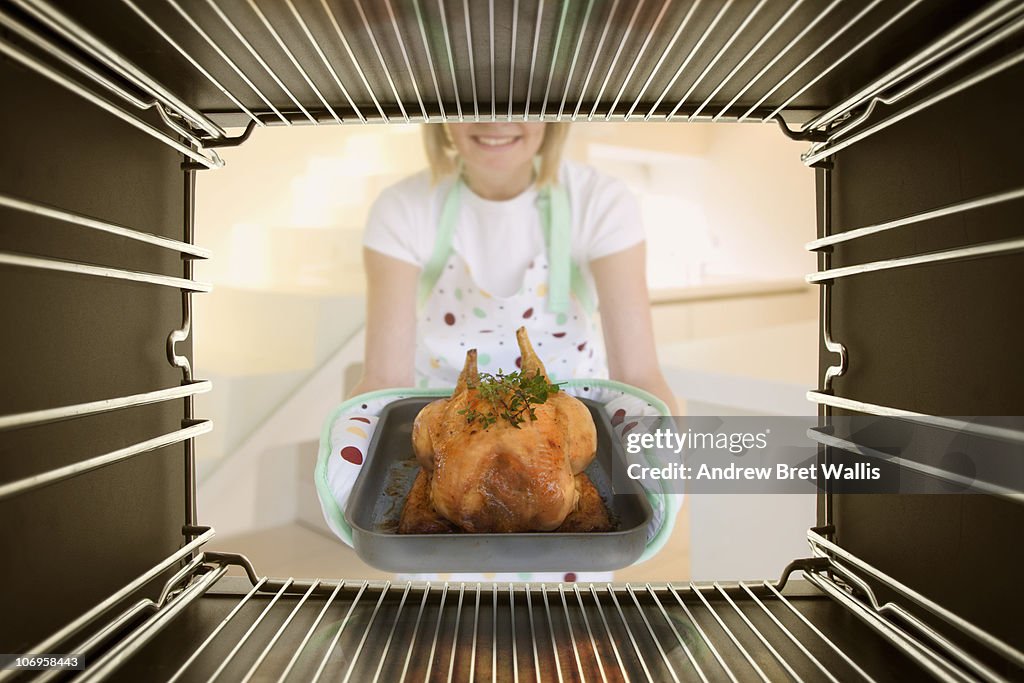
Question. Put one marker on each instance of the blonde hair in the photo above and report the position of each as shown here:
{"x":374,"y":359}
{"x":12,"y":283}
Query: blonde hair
{"x":442,"y":156}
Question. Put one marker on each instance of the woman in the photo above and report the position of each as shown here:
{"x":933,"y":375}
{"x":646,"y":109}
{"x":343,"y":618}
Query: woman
{"x":501,"y":233}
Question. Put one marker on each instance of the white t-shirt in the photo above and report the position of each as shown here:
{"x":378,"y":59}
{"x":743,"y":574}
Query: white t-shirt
{"x":499,"y":239}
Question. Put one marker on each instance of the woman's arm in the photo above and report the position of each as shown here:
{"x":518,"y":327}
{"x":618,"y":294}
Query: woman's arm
{"x":626,"y":321}
{"x":390,"y":322}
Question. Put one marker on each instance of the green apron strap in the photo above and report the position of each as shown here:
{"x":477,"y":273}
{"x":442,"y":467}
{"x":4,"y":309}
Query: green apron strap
{"x":564,"y":275}
{"x":442,"y":245}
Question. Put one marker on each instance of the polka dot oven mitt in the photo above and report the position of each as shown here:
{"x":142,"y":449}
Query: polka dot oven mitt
{"x":349,"y":428}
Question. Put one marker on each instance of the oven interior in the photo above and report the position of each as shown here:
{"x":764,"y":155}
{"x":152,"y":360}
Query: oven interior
{"x":113,"y":109}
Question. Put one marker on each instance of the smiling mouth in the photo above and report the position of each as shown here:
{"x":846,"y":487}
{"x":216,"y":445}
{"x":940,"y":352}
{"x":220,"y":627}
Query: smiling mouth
{"x":496,"y":141}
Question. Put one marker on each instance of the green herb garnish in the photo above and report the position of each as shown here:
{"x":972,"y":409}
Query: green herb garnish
{"x":511,"y":397}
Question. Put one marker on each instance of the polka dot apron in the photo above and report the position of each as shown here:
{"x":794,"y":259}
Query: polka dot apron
{"x":553,"y":302}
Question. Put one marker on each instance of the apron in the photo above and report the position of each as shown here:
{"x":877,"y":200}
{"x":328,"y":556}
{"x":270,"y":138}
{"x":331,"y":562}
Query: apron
{"x":554,"y":302}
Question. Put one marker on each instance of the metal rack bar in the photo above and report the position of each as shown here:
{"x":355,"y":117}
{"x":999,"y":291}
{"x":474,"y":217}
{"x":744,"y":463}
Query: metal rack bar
{"x":575,"y":57}
{"x":639,"y":55}
{"x":975,"y":49}
{"x":947,"y":210}
{"x":572,"y":635}
{"x":806,"y":60}
{"x":924,"y":657}
{"x":764,"y":641}
{"x":533,"y":58}
{"x":259,"y":59}
{"x":846,"y":55}
{"x":366,"y":632}
{"x":664,"y":54}
{"x":490,"y":44}
{"x":455,"y":632}
{"x":554,"y":58}
{"x":551,"y":633}
{"x":277,"y":635}
{"x":789,"y":634}
{"x":227,"y":60}
{"x":778,"y":55}
{"x":831,"y":148}
{"x":80,"y":220}
{"x":76,"y":410}
{"x":494,"y":632}
{"x":533,"y":635}
{"x":675,"y":632}
{"x":50,"y":48}
{"x":249,"y":631}
{"x":87,"y":647}
{"x":959,"y":254}
{"x":391,"y":633}
{"x":953,"y":424}
{"x":962,"y":34}
{"x":309,"y":633}
{"x":476,"y":626}
{"x":124,"y":649}
{"x":512,"y":56}
{"x":969,"y":483}
{"x":615,"y":60}
{"x":472,"y":66}
{"x":437,"y":632}
{"x":937,"y":639}
{"x":451,"y":59}
{"x":323,"y":58}
{"x":58,"y":78}
{"x":295,"y":63}
{"x":714,"y":60}
{"x":689,"y":57}
{"x":988,"y":640}
{"x":750,"y":53}
{"x":590,"y":634}
{"x":415,"y":632}
{"x":512,"y":619}
{"x":597,"y":52}
{"x":405,"y":58}
{"x":355,"y":62}
{"x":191,"y":60}
{"x":35,"y":481}
{"x":654,"y":636}
{"x":430,"y":60}
{"x":728,"y":632}
{"x":835,"y":648}
{"x":58,"y":265}
{"x":78,"y":36}
{"x":704,"y":636}
{"x":607,"y":630}
{"x":86,"y":619}
{"x":629,"y":634}
{"x":337,"y":636}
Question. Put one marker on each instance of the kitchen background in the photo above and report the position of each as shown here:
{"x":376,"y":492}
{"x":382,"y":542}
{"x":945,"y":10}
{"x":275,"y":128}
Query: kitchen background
{"x":727,"y":210}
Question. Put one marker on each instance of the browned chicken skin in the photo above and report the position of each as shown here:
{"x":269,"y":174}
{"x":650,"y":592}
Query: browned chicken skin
{"x":505,"y":478}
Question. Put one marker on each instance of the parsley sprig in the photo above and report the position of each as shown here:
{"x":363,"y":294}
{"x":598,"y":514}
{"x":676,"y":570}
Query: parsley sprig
{"x":511,"y":397}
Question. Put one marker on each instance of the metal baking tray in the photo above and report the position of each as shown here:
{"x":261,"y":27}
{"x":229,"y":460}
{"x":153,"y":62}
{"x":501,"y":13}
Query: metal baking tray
{"x":390,"y":467}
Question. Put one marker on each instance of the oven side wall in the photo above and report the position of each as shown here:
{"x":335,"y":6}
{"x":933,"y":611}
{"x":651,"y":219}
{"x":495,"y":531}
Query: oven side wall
{"x":72,"y":338}
{"x":942,"y":339}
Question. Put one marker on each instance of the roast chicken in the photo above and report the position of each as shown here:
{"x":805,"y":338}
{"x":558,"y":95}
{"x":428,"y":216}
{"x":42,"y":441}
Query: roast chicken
{"x":503,"y":476}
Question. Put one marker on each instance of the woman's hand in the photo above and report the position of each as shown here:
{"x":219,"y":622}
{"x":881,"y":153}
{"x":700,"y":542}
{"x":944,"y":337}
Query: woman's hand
{"x":626,"y":321}
{"x":390,"y":322}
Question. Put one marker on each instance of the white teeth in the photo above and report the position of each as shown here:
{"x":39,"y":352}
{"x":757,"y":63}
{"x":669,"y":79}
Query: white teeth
{"x":495,"y":142}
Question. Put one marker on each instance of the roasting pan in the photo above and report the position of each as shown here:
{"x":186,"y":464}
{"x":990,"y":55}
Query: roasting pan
{"x":375,"y":507}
